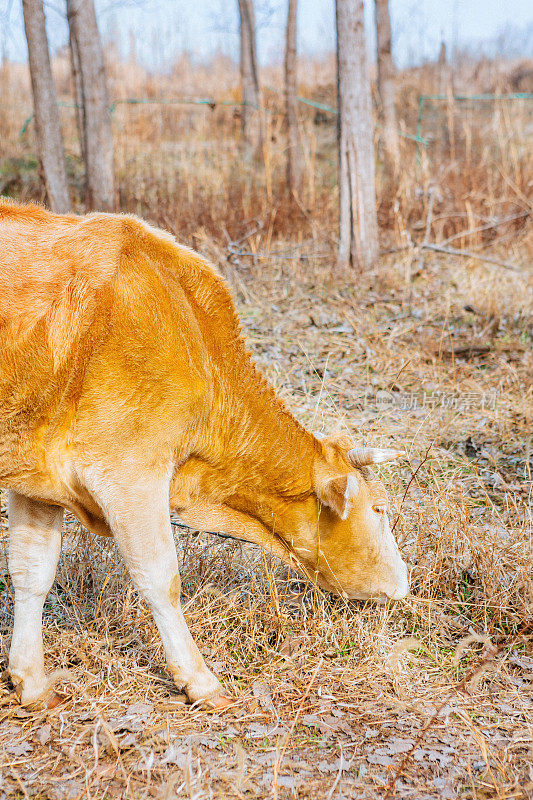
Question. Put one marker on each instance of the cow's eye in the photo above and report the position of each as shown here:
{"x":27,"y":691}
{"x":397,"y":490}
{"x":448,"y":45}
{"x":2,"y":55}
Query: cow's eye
{"x":379,"y":506}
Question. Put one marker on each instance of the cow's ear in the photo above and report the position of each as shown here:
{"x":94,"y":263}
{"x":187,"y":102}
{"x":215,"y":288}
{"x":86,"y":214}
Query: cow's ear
{"x":340,"y":440}
{"x":337,"y":491}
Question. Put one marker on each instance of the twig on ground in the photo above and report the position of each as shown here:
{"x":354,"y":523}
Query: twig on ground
{"x":404,"y":365}
{"x":442,"y":247}
{"x":452,"y":251}
{"x":413,"y":476}
{"x":489,"y":226}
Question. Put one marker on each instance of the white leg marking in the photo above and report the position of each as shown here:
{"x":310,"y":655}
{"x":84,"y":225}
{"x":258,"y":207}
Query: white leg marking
{"x":34,"y":547}
{"x":140,"y":520}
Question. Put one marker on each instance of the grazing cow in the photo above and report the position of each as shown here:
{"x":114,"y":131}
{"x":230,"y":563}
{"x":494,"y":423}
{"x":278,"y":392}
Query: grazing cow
{"x":126,"y":390}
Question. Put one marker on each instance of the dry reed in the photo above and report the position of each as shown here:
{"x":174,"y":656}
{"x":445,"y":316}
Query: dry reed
{"x":330,"y":696}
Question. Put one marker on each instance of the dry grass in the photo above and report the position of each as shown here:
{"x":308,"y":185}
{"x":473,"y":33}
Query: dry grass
{"x":370,"y":676}
{"x":435,"y":357}
{"x":183,"y":166}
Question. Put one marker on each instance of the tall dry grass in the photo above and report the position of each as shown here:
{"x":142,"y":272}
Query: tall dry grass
{"x":184,"y":166}
{"x":318,"y":680}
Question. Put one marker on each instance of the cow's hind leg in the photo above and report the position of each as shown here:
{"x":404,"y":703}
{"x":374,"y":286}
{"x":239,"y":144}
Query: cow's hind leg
{"x":140,"y":521}
{"x":34,"y":547}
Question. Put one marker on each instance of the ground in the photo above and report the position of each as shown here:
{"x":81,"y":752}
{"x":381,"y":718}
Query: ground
{"x":431,"y":697}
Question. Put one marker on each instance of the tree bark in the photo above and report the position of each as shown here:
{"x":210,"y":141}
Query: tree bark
{"x":78,"y":92}
{"x":97,"y":139}
{"x":49,"y":138}
{"x":358,"y":230}
{"x":386,"y":80}
{"x":251,"y":113}
{"x":444,"y":71}
{"x":294,"y":163}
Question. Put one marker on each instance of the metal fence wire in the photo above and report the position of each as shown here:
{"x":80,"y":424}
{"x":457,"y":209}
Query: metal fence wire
{"x":450,"y":122}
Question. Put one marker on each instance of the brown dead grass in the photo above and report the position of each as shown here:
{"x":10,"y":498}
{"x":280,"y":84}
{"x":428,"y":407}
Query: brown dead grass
{"x":358,"y":680}
{"x":433,"y":356}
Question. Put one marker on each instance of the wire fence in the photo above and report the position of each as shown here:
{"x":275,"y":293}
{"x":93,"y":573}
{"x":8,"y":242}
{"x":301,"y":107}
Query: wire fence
{"x":441,"y":117}
{"x":436,"y":112}
{"x":182,"y":155}
{"x":214,"y":103}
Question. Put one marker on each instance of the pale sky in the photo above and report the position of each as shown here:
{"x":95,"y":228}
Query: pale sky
{"x":164,"y":28}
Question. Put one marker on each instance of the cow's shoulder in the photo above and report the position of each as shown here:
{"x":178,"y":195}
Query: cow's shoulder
{"x":45,"y":256}
{"x":155,"y":263}
{"x":158,"y":250}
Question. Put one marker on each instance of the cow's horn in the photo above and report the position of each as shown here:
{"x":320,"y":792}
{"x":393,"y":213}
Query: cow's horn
{"x":364,"y":456}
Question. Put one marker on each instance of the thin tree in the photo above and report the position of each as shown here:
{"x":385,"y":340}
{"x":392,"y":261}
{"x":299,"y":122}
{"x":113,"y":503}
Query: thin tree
{"x":78,"y":92}
{"x":251,"y":117}
{"x":86,"y":47}
{"x":443,"y":70}
{"x":49,"y":138}
{"x":386,"y":80}
{"x":294,"y":164}
{"x":358,"y":230}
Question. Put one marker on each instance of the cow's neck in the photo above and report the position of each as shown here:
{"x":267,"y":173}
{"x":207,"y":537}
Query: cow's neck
{"x":249,"y":452}
{"x":252,"y":454}
{"x":250,"y":474}
{"x":258,"y":452}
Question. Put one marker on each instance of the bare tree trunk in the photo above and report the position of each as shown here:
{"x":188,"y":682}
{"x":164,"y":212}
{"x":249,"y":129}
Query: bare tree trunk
{"x":358,"y":230}
{"x":251,"y":113}
{"x":97,"y":138}
{"x":444,"y":71}
{"x":78,"y":92}
{"x":294,"y":163}
{"x":49,"y":138}
{"x":386,"y":80}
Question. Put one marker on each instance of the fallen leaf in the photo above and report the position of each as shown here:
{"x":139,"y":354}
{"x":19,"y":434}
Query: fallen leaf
{"x":262,"y":693}
{"x":173,"y":755}
{"x":210,"y":743}
{"x":375,"y":758}
{"x":326,"y":724}
{"x":43,"y":734}
{"x":289,"y":781}
{"x":147,"y":761}
{"x":256,"y":730}
{"x":524,"y":662}
{"x":396,"y":745}
{"x":19,"y":748}
{"x":127,"y":741}
{"x":442,"y":757}
{"x":139,"y":709}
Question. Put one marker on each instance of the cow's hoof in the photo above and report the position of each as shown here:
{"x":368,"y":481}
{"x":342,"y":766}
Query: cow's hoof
{"x":54,"y":701}
{"x":46,"y":702}
{"x":220,"y":702}
{"x":39,"y":695}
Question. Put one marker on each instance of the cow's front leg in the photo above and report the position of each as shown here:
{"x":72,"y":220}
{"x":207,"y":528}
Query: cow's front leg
{"x":34,"y":547}
{"x":140,"y":520}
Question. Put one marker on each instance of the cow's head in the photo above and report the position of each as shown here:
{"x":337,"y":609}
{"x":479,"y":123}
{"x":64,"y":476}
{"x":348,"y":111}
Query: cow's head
{"x":338,"y":533}
{"x":357,"y":555}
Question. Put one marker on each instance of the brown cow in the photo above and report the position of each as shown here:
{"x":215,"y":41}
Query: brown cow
{"x":126,"y":389}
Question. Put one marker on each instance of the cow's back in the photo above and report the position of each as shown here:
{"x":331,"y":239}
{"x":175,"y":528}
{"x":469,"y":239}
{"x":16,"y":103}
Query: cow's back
{"x":45,"y":256}
{"x":101,"y":349}
{"x":56,"y":274}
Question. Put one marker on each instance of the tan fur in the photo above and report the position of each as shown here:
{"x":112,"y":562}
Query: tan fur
{"x":122,"y":362}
